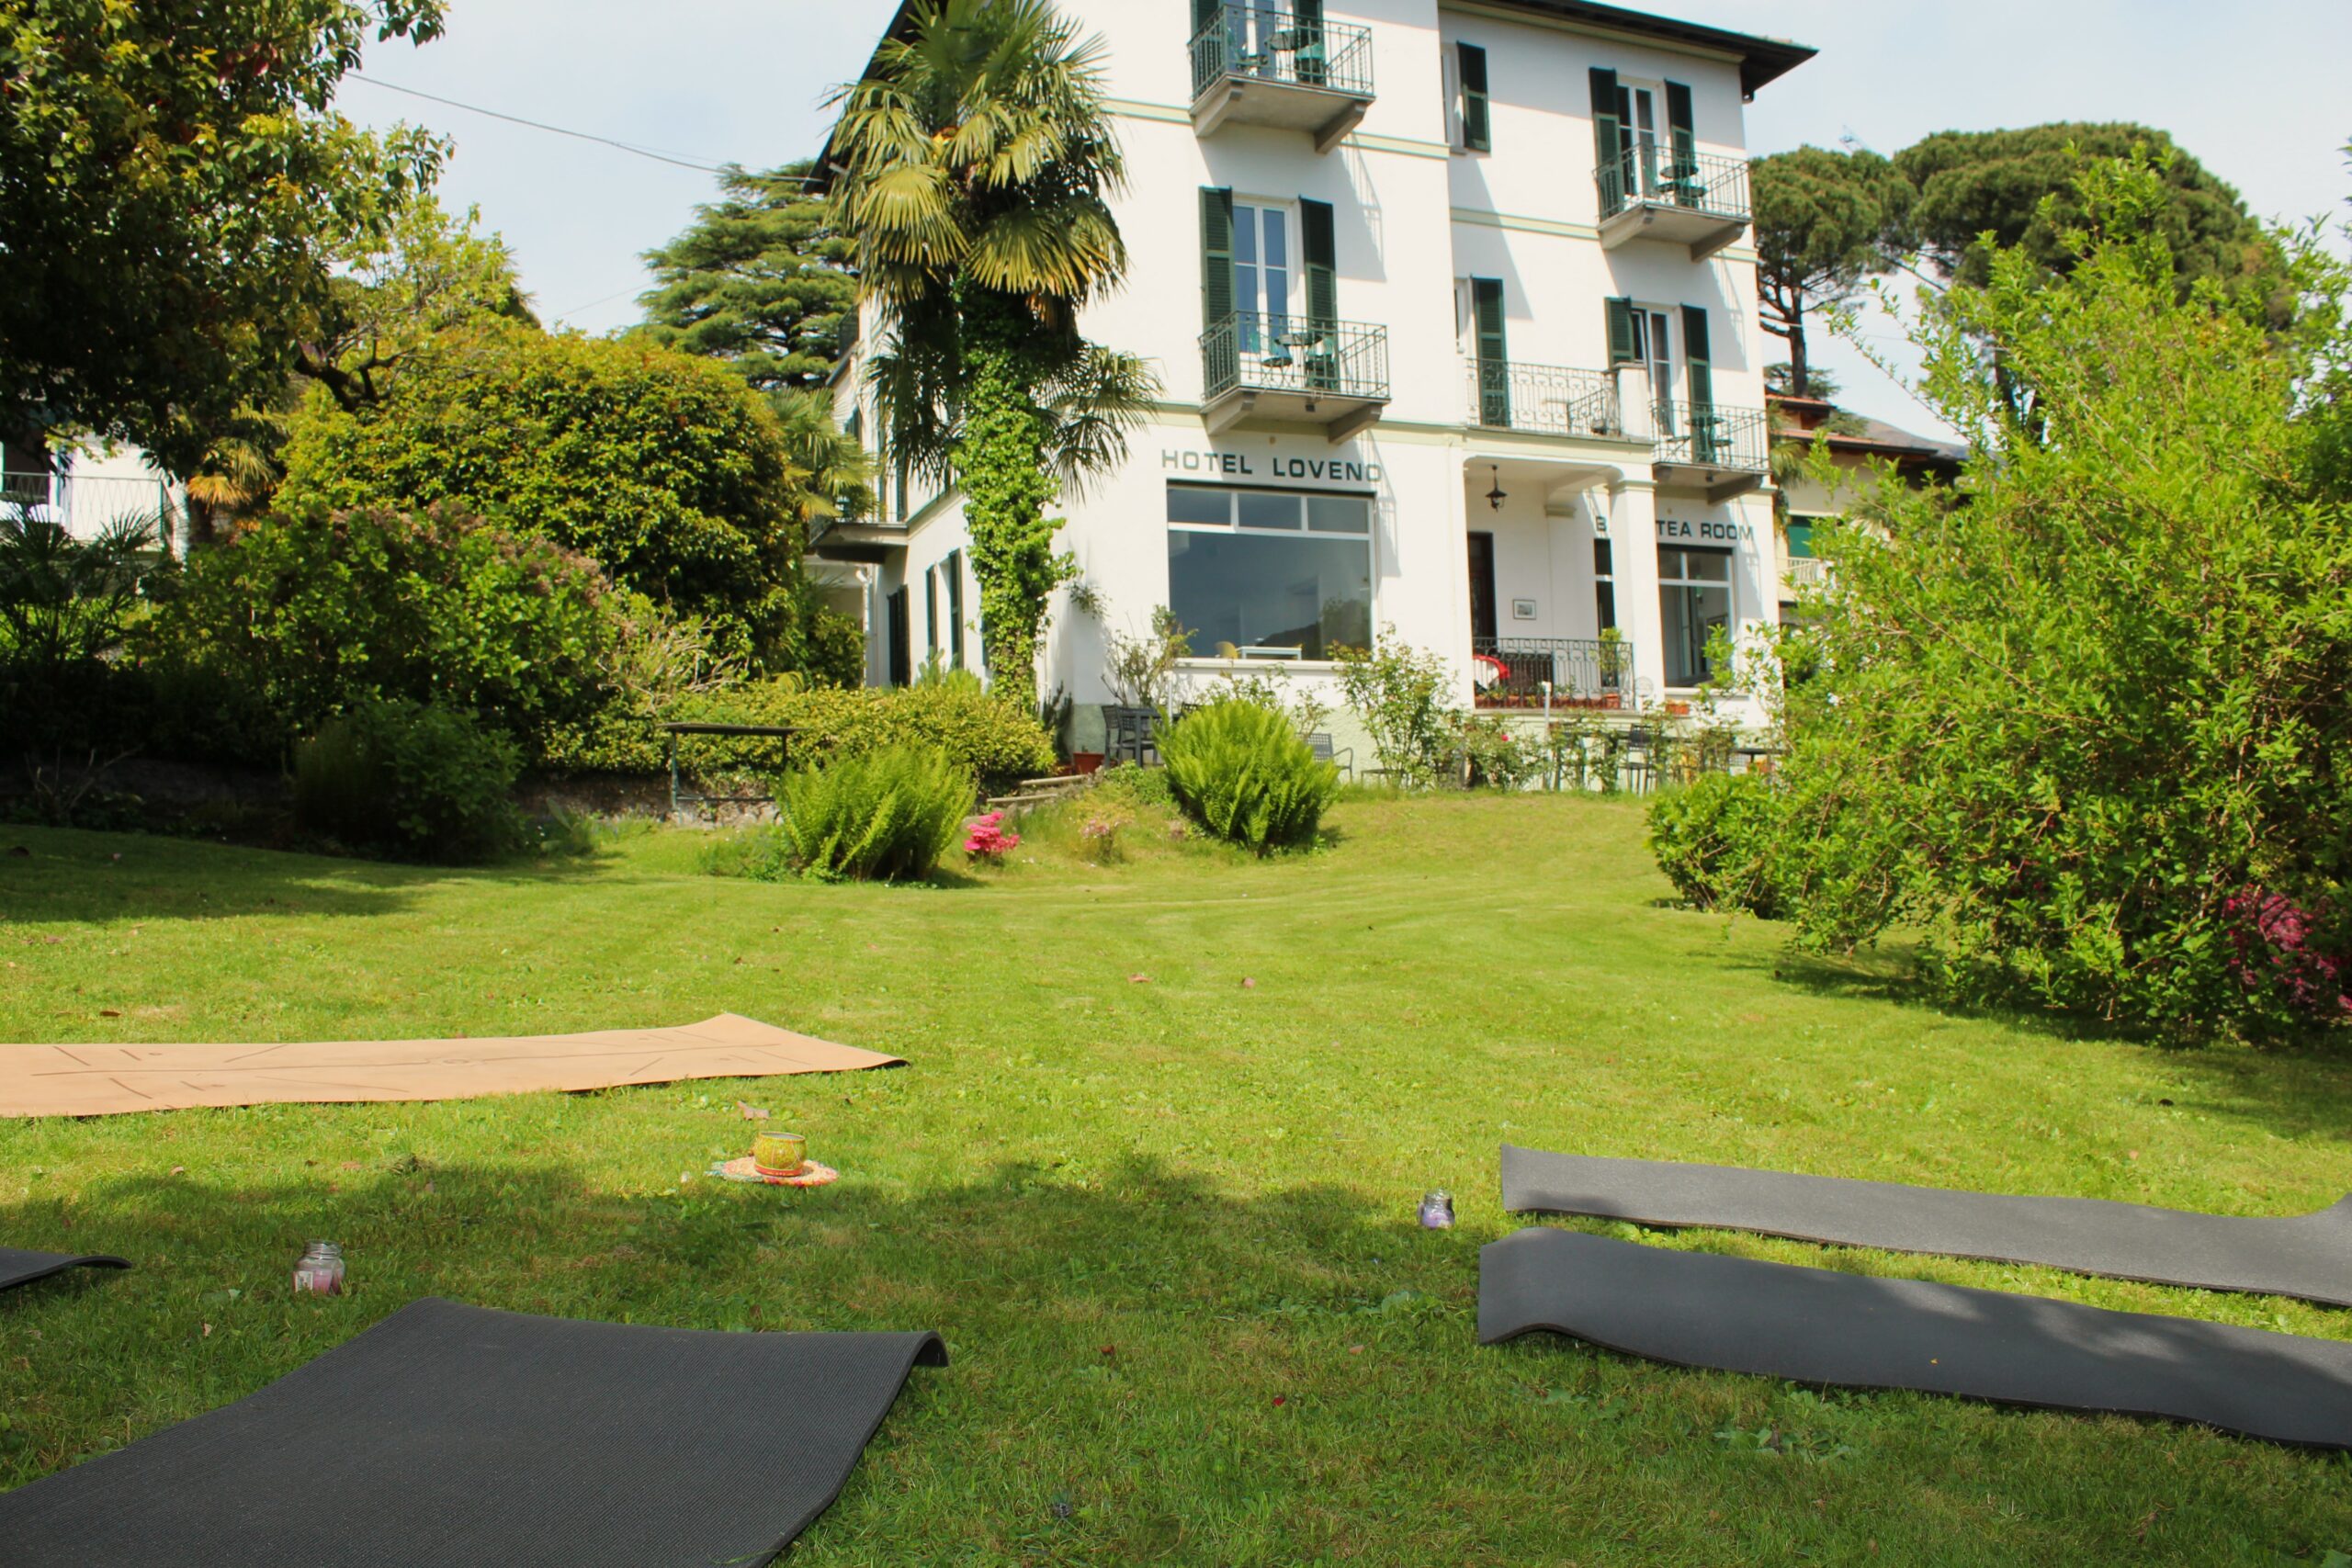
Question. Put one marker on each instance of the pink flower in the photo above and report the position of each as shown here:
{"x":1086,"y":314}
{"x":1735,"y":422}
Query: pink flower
{"x":989,"y":840}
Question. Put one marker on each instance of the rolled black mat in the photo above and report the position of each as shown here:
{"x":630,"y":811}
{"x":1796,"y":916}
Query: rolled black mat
{"x":1817,"y":1326}
{"x":2308,"y":1256}
{"x":18,"y":1268}
{"x":454,"y":1436}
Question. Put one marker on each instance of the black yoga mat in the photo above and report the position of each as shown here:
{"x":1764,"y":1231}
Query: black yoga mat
{"x":17,"y":1268}
{"x":2308,"y":1256}
{"x":1816,"y":1326}
{"x":453,"y":1436}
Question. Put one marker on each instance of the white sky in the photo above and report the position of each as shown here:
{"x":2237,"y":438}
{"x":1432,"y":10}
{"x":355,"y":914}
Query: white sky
{"x":2255,"y":89}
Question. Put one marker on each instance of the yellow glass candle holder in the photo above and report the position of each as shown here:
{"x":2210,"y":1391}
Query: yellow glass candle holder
{"x":779,"y":1154}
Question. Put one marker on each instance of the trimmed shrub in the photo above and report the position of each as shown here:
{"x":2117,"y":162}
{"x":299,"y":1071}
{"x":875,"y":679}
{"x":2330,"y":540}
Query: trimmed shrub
{"x":881,"y":816}
{"x":414,"y":782}
{"x":1716,"y":839}
{"x":661,"y":466}
{"x":312,"y":613}
{"x":990,"y":738}
{"x":1242,"y":773}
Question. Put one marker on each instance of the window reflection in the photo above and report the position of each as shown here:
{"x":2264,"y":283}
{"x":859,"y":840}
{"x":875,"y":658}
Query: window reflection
{"x":1249,"y":582}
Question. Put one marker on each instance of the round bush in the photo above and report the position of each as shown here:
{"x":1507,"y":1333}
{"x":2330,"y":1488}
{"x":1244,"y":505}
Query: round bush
{"x":881,"y":816}
{"x":1715,"y":839}
{"x":1241,"y":771}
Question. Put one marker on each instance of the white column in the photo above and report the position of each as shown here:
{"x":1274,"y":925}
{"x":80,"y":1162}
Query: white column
{"x":1633,"y":552}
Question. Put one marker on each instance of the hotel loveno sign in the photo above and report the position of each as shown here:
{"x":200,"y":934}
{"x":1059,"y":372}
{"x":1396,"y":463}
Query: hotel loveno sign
{"x":1247,"y":465}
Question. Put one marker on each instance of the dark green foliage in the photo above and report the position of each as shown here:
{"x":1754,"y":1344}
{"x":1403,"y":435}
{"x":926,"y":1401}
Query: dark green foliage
{"x":63,"y":607}
{"x":664,"y":468}
{"x":1717,"y":838}
{"x":2087,"y":731}
{"x":1242,"y":773}
{"x":759,"y":281}
{"x":172,"y":190}
{"x":879,"y":816}
{"x":411,"y":781}
{"x":979,"y":732}
{"x":1975,"y":182}
{"x":312,"y":613}
{"x":1823,"y":220}
{"x":1127,"y":783}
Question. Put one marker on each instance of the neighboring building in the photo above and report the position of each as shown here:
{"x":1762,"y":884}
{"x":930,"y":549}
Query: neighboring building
{"x":1859,"y":447}
{"x":89,"y":490}
{"x":1455,"y":308}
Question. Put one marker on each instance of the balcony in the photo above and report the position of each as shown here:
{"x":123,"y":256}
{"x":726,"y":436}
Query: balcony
{"x":1584,"y":672}
{"x":86,"y":506}
{"x":1654,"y":192}
{"x":1710,"y":447}
{"x":1543,"y":400}
{"x":1256,"y":65}
{"x":1289,"y":369}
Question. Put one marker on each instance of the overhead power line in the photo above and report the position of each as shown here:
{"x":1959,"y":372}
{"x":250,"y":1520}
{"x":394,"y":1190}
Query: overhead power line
{"x":658,"y":157}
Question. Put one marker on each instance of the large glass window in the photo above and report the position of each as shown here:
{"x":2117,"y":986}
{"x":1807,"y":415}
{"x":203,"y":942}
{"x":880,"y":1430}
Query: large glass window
{"x":1695,"y":600}
{"x":1270,"y":574}
{"x":1261,"y":271}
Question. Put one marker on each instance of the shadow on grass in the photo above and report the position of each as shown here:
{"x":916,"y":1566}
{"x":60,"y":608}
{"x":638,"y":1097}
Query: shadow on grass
{"x":1012,"y":1257}
{"x":70,"y":875}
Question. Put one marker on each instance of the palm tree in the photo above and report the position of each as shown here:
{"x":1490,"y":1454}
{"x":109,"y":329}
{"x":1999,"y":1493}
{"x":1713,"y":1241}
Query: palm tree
{"x":975,"y":162}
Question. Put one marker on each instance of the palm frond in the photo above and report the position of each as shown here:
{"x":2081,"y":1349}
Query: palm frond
{"x":1100,"y":398}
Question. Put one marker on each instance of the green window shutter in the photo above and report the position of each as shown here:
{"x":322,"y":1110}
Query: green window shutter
{"x":1319,"y":248}
{"x":1706,"y":438}
{"x":1216,"y":255}
{"x":1478,"y":136}
{"x":1220,"y":345}
{"x":1203,"y":13}
{"x":1683,"y":170}
{"x":1607,"y":152}
{"x":954,"y":568}
{"x":1800,"y":538}
{"x":931,"y":611}
{"x":1494,"y":355}
{"x":1623,"y":350}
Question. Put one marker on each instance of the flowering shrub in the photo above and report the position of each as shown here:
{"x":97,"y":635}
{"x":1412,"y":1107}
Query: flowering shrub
{"x":990,"y":840}
{"x":1098,"y":835}
{"x":2275,"y":949}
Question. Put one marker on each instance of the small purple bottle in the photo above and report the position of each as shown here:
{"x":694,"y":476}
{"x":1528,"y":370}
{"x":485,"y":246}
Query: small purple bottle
{"x":1437,"y":1211}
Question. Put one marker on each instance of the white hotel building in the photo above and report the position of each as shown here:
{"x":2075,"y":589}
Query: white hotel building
{"x":1455,"y":309}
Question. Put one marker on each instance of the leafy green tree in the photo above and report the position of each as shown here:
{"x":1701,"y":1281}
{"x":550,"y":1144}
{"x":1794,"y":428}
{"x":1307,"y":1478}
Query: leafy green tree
{"x":317,"y":612}
{"x":1824,"y":221}
{"x":2087,"y":732}
{"x":662,"y":468}
{"x":2020,"y":187}
{"x":429,"y":272}
{"x":760,"y":280}
{"x":172,"y":183}
{"x":976,"y":158}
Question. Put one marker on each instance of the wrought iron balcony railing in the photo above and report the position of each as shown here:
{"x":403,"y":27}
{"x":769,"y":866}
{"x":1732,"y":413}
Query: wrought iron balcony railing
{"x":1543,"y":400}
{"x":1273,"y":45}
{"x":1709,"y":435}
{"x":1655,"y":174}
{"x":87,"y":505}
{"x":1294,"y":353}
{"x":1510,"y":672}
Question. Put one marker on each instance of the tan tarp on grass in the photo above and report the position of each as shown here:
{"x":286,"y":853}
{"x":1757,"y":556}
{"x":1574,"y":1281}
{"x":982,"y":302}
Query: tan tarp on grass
{"x":105,"y":1081}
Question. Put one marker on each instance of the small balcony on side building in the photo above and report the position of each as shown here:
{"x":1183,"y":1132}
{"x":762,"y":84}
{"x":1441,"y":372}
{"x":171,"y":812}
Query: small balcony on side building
{"x":1261,"y":369}
{"x":1658,"y":190}
{"x":1256,"y":64}
{"x":1721,"y":451}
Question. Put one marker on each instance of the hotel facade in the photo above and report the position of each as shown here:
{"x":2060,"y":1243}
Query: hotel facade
{"x":1453,"y":308}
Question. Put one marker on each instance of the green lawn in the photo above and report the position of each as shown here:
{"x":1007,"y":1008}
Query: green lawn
{"x":1165,"y":1225}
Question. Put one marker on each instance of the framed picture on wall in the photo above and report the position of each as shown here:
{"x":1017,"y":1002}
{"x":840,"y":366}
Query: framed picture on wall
{"x":1522,"y":609}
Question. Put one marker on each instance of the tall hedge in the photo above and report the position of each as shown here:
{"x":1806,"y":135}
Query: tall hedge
{"x":661,"y":466}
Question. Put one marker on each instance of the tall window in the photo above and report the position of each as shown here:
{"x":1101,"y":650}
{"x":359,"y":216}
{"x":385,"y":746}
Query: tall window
{"x":953,"y":570}
{"x":930,"y":611}
{"x":1653,"y":349}
{"x":1270,"y":574}
{"x":1694,"y":601}
{"x":1262,"y":270}
{"x":1604,"y":585}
